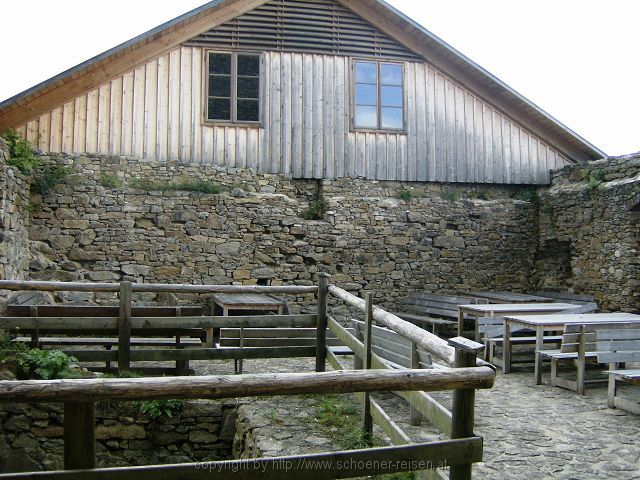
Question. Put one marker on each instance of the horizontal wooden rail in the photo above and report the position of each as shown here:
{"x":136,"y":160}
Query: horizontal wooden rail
{"x":152,"y":287}
{"x":435,"y":412}
{"x":166,"y":355}
{"x":158,"y":323}
{"x":318,"y":466}
{"x":214,"y":387}
{"x":429,"y":342}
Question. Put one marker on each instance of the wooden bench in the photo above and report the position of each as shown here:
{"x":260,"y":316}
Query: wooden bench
{"x":394,"y":349}
{"x":396,"y":352}
{"x":620,"y":345}
{"x":276,"y":337}
{"x":579,"y":345}
{"x":41,"y":337}
{"x":433,"y":310}
{"x":567,"y":297}
{"x":492,"y":331}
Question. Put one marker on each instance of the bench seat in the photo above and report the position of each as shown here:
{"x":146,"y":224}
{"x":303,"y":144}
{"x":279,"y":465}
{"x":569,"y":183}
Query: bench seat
{"x":432,"y":310}
{"x":424,"y":319}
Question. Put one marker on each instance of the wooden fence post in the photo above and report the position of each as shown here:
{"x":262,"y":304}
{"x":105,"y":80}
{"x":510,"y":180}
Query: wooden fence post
{"x":367,"y":419}
{"x":462,"y":411}
{"x":357,"y":332}
{"x":79,"y":436}
{"x":321,"y":335}
{"x":124,"y":328}
{"x":415,"y":417}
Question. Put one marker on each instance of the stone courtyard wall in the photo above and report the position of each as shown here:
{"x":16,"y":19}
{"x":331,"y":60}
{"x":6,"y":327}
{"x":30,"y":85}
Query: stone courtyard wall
{"x":14,"y":221}
{"x":582,"y":235}
{"x":590,"y":232}
{"x":254,"y":232}
{"x":31,"y":437}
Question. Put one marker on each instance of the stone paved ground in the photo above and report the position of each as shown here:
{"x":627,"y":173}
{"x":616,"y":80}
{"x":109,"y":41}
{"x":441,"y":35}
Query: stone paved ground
{"x":531,"y":432}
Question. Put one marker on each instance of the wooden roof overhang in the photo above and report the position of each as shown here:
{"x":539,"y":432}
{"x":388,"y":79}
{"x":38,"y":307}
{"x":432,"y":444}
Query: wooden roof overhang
{"x":43,"y":97}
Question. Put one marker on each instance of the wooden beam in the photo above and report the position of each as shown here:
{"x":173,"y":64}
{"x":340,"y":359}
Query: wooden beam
{"x":165,"y":354}
{"x":431,"y":343}
{"x":124,"y":328}
{"x":71,"y":86}
{"x":79,"y":435}
{"x":152,"y":287}
{"x":334,"y":465}
{"x":395,"y":433}
{"x":367,"y":418}
{"x":433,"y":411}
{"x":321,"y":335}
{"x":463,"y":405}
{"x":246,"y":385}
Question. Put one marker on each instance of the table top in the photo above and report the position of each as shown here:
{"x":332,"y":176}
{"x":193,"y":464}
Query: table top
{"x":246,"y":299}
{"x":510,"y":297}
{"x":515,"y":308}
{"x":564,"y":319}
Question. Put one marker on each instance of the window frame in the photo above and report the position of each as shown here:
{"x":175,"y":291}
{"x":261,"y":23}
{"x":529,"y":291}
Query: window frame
{"x":352,"y":94}
{"x":234,"y":89}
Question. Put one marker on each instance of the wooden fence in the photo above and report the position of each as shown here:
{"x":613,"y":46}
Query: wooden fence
{"x":375,"y":374}
{"x":125,"y":323}
{"x":457,"y":352}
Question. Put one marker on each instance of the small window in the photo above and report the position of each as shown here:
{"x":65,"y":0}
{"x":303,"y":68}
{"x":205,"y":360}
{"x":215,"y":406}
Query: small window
{"x":233,"y":88}
{"x":379,"y":96}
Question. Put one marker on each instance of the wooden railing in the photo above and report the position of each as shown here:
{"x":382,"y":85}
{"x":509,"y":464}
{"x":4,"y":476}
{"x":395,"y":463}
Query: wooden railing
{"x":79,"y":397}
{"x":375,"y":374}
{"x":126,"y":323}
{"x":458,"y":352}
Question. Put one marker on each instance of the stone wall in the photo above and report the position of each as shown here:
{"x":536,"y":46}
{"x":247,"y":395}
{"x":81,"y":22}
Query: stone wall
{"x":14,"y":221}
{"x":31,"y":437}
{"x":590,"y":232}
{"x":254,"y":232}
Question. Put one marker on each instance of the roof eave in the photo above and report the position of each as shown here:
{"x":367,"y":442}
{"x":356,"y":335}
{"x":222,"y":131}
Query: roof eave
{"x":143,"y":38}
{"x":589,"y":149}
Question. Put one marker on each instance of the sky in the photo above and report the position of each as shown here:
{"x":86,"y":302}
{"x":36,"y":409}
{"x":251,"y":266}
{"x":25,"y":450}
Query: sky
{"x":576,"y":59}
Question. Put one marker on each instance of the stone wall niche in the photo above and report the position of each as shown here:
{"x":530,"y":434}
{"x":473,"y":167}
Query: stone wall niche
{"x":553,"y":265}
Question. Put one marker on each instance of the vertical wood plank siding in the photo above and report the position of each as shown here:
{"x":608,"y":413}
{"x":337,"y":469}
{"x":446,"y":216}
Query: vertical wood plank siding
{"x":156,"y":112}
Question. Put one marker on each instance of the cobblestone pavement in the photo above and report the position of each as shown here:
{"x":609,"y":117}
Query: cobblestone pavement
{"x":530,"y":432}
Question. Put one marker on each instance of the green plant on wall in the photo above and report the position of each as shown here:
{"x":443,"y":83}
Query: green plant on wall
{"x":316,"y":210}
{"x":196,"y":186}
{"x":404,"y":194}
{"x":450,"y":195}
{"x":596,"y":178}
{"x":527,"y":195}
{"x":109,"y":180}
{"x":49,"y":177}
{"x":20,"y":152}
{"x":159,"y":408}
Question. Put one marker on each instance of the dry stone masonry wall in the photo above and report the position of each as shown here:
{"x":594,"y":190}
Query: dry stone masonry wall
{"x":14,"y":221}
{"x":31,"y":437}
{"x":255,"y":231}
{"x":582,"y":236}
{"x":590,"y":232}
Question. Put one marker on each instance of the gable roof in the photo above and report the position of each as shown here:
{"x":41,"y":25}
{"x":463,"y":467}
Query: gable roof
{"x":37,"y":100}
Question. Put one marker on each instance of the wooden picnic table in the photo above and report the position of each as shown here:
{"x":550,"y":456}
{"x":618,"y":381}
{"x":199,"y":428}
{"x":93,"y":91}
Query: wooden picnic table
{"x":231,"y":304}
{"x":237,"y":302}
{"x":546,"y":323}
{"x":502,"y":309}
{"x":510,"y":297}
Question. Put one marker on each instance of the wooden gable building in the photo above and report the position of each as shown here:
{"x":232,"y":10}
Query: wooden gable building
{"x":310,"y":88}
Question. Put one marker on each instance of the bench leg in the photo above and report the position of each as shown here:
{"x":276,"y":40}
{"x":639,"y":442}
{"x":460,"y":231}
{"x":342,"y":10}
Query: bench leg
{"x":580,"y":376}
{"x":108,"y":363}
{"x":611,"y":391}
{"x":554,"y":372}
